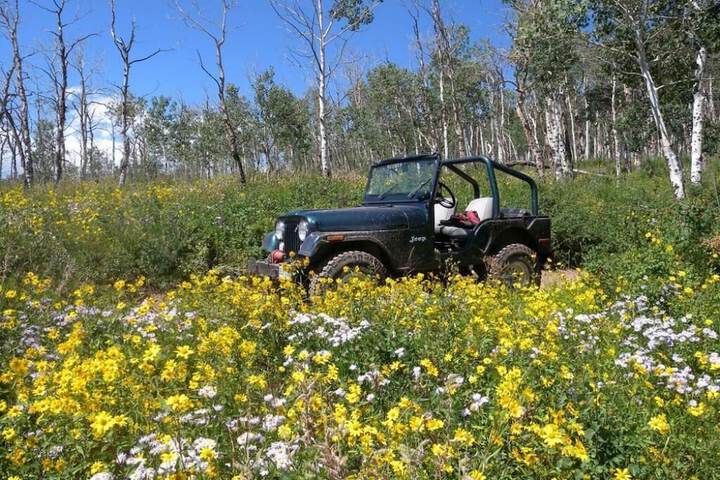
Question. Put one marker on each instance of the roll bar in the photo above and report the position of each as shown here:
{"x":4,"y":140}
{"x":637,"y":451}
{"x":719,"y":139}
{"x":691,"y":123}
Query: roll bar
{"x":491,"y":166}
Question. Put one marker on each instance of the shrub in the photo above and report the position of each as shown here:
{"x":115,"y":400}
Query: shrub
{"x":168,"y":230}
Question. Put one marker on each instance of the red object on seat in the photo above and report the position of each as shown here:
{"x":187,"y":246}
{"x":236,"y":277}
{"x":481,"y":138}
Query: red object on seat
{"x":277,"y":256}
{"x":472,"y":217}
{"x":467,"y":219}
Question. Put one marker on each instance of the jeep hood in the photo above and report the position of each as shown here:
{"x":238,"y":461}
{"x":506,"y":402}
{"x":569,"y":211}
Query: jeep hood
{"x":369,"y":217}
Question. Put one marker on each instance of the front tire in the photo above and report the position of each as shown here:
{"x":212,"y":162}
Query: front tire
{"x":513,"y":264}
{"x":334,"y":269}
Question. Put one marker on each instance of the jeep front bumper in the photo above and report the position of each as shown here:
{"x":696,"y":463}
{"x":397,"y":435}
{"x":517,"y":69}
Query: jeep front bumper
{"x":267,"y":269}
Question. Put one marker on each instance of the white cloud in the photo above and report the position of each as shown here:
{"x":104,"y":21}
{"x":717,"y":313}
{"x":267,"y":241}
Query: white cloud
{"x":103,"y":130}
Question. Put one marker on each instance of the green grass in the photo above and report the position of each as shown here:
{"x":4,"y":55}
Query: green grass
{"x":166,"y":230}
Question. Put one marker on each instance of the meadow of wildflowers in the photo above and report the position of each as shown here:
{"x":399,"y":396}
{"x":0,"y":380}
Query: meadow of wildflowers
{"x":137,"y":350}
{"x":167,"y":230}
{"x":161,"y":230}
{"x":238,"y":378}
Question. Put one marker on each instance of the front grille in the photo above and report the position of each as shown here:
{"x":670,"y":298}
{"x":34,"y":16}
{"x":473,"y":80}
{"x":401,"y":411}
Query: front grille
{"x":292,"y":241}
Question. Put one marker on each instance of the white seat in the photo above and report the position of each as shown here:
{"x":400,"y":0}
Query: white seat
{"x":482,"y":206}
{"x":442,"y":213}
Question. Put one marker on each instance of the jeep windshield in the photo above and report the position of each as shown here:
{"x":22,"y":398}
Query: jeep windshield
{"x":410,"y":180}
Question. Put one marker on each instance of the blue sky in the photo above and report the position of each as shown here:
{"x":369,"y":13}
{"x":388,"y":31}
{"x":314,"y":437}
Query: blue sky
{"x":257,"y":40}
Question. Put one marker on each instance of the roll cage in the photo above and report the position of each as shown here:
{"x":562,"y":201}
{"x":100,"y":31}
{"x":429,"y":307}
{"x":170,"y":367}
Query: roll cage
{"x":453,"y":165}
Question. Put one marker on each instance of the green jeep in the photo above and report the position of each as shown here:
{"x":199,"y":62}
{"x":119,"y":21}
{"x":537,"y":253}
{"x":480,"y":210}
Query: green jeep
{"x":407,"y":224}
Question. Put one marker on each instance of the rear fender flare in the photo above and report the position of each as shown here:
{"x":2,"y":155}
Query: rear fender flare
{"x":510,"y":236}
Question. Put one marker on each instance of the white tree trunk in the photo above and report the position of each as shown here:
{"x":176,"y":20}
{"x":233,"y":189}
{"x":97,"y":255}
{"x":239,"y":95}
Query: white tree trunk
{"x":125,"y":127}
{"x":555,"y":138}
{"x":25,"y":146}
{"x":616,"y":140}
{"x":322,"y":87}
{"x":711,"y":99}
{"x":550,"y":138}
{"x":587,"y":121}
{"x":696,"y":139}
{"x":530,"y":130}
{"x":443,"y":112}
{"x":596,"y":141}
{"x":573,"y":138}
{"x":3,"y":142}
{"x":674,"y":167}
{"x":481,"y":140}
{"x":322,"y":132}
{"x":501,"y":139}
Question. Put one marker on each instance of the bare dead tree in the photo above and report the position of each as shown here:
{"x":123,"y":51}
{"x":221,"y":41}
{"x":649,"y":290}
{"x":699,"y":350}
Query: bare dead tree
{"x":124,"y":47}
{"x":7,"y":115}
{"x":426,"y":108}
{"x":83,"y":109}
{"x":12,"y":145}
{"x":217,"y":33}
{"x":8,"y":130}
{"x":3,"y":143}
{"x":58,"y":73}
{"x":5,"y":139}
{"x":318,"y":29}
{"x":9,"y":20}
{"x":445,"y":57}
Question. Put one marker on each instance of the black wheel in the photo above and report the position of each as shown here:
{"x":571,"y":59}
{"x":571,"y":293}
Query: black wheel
{"x":513,"y":264}
{"x":335,"y":269}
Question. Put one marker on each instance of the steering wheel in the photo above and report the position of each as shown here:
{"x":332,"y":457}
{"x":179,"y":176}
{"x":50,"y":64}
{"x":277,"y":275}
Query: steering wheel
{"x":443,"y":192}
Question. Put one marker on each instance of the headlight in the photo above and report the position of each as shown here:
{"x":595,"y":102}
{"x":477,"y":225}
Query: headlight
{"x":303,"y":230}
{"x":279,"y":230}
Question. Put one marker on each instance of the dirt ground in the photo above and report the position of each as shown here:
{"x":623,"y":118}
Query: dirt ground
{"x":551,"y":278}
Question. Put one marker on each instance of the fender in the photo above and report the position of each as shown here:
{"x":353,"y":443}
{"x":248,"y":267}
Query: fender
{"x":270,"y":242}
{"x":319,"y":245}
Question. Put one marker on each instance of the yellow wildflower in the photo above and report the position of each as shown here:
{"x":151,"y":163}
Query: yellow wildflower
{"x":659,"y":423}
{"x":207,"y":454}
{"x":697,"y":410}
{"x":184,"y":352}
{"x":476,"y":475}
{"x":434,"y":424}
{"x":464,"y":437}
{"x":622,"y":474}
{"x":8,"y":434}
{"x":179,"y":403}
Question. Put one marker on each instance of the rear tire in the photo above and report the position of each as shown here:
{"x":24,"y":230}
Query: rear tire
{"x":515,"y":263}
{"x":335,"y":268}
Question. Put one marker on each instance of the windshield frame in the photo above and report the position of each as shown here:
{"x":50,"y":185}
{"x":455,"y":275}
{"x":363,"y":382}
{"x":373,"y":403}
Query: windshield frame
{"x":402,"y":197}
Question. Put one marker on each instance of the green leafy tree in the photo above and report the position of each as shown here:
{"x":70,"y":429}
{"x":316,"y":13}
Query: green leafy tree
{"x":646,"y":31}
{"x":282,"y":121}
{"x":545,"y":36}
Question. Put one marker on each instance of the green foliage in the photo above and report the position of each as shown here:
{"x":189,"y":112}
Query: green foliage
{"x":355,"y":12}
{"x":168,"y":230}
{"x":545,"y":38}
{"x":162,"y":230}
{"x":631,"y":227}
{"x":282,"y":120}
